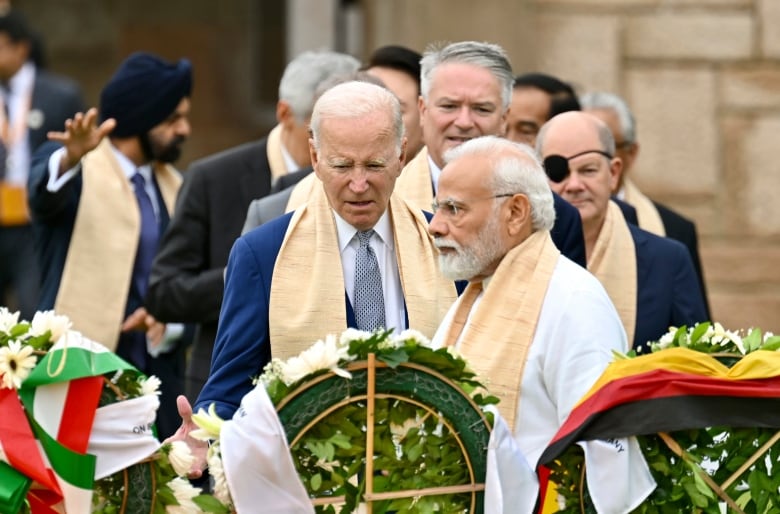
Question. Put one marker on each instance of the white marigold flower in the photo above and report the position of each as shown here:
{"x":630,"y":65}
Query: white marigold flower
{"x":8,"y":319}
{"x":217,"y":472}
{"x":184,"y":492}
{"x":322,"y":355}
{"x":16,"y":362}
{"x":47,"y":320}
{"x":150,"y":386}
{"x":414,"y":335}
{"x":353,"y":334}
{"x":181,"y":458}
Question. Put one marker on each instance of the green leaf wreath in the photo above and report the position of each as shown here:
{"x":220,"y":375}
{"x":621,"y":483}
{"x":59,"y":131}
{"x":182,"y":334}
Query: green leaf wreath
{"x":415,"y":446}
{"x":686,"y":464}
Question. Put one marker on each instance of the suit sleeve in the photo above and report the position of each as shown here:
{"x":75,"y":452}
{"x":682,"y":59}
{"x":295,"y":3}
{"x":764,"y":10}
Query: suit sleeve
{"x":567,"y":231}
{"x":47,"y":206}
{"x":252,"y":217}
{"x":688,"y":303}
{"x":242,"y":347}
{"x":183,"y":286}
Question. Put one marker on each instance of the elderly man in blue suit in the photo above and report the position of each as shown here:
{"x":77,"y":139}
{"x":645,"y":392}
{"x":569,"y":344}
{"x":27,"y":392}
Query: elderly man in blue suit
{"x":304,"y":275}
{"x":650,"y":279}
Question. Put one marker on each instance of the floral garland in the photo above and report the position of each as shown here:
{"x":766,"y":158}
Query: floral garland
{"x":23,"y":346}
{"x":328,"y":455}
{"x":702,"y":457}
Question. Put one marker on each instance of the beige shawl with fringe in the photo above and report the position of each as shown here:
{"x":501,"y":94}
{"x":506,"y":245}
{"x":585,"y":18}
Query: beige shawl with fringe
{"x":307,"y":287}
{"x":500,"y":332}
{"x":614,"y":264}
{"x":414,"y":184}
{"x":98,"y":269}
{"x":646,"y":212}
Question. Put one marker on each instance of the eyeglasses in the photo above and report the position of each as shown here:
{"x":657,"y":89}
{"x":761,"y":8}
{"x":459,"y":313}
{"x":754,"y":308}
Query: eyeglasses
{"x":557,"y":166}
{"x":452,"y":208}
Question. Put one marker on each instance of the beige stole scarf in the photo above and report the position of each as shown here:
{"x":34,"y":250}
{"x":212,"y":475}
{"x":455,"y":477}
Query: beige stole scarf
{"x":499,"y":334}
{"x":273,"y":150}
{"x":646,"y":212}
{"x":307,"y":287}
{"x":414,"y":184}
{"x":99,"y":266}
{"x":302,"y":191}
{"x":614,"y":263}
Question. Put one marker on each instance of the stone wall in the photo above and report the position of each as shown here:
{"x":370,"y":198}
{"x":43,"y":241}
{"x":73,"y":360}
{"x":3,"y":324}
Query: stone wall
{"x":703,"y":77}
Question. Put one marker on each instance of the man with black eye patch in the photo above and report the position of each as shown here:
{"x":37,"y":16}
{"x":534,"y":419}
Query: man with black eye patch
{"x":650,"y":279}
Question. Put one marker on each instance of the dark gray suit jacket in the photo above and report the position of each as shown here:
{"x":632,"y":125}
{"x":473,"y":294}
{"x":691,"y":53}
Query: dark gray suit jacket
{"x":186,"y":283}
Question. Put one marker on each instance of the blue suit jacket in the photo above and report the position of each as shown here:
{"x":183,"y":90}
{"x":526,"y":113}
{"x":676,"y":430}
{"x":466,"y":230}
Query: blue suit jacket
{"x":243,"y":346}
{"x":668,"y":292}
{"x":567,"y":231}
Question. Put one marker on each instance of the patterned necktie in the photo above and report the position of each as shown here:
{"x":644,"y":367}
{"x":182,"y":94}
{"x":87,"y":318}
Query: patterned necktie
{"x":369,"y":298}
{"x":150,"y":234}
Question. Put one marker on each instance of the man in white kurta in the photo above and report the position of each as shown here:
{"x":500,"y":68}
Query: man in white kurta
{"x":537,"y":328}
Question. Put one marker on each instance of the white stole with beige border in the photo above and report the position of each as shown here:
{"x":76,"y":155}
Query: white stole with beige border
{"x":646,"y":212}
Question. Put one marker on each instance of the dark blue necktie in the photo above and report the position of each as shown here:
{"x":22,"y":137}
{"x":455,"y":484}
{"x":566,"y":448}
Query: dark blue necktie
{"x":150,"y":234}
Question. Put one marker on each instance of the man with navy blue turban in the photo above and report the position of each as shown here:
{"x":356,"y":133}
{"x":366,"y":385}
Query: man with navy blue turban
{"x":101,"y":193}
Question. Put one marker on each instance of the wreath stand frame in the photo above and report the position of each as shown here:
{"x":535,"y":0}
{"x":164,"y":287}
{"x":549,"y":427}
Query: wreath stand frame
{"x":408,"y":382}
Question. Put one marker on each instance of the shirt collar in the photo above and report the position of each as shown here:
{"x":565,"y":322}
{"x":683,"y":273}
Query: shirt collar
{"x":435,"y":174}
{"x":346,"y":232}
{"x":129,"y":169}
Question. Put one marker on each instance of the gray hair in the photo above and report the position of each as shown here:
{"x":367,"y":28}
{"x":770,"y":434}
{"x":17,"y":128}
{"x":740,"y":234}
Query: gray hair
{"x":485,"y":55}
{"x":604,"y":100}
{"x":606,"y":139}
{"x":516,"y":169}
{"x":355,"y":99}
{"x":303,"y":75}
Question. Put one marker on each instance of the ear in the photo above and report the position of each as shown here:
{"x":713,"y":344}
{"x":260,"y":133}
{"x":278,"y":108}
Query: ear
{"x":403,"y":155}
{"x":615,"y":170}
{"x":421,"y":107}
{"x":518,"y":215}
{"x":314,"y":157}
{"x":284,"y":114}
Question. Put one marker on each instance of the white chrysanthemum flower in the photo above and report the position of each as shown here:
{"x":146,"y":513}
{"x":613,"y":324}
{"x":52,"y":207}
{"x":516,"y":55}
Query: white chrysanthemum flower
{"x":767,"y":335}
{"x":181,"y":458}
{"x":150,"y":386}
{"x":8,"y":319}
{"x":16,"y":362}
{"x":353,"y":334}
{"x":184,"y":492}
{"x":322,"y":355}
{"x":667,"y":339}
{"x":414,"y":335}
{"x":217,"y":472}
{"x":47,"y":320}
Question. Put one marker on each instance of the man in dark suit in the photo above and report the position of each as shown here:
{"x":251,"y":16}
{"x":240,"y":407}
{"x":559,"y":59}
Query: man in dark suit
{"x":650,"y":279}
{"x":652,"y":216}
{"x":187,"y":276}
{"x":100,"y":197}
{"x":33,"y":102}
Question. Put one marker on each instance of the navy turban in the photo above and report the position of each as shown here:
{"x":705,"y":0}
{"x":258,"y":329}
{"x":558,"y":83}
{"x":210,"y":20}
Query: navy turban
{"x":143,"y":92}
